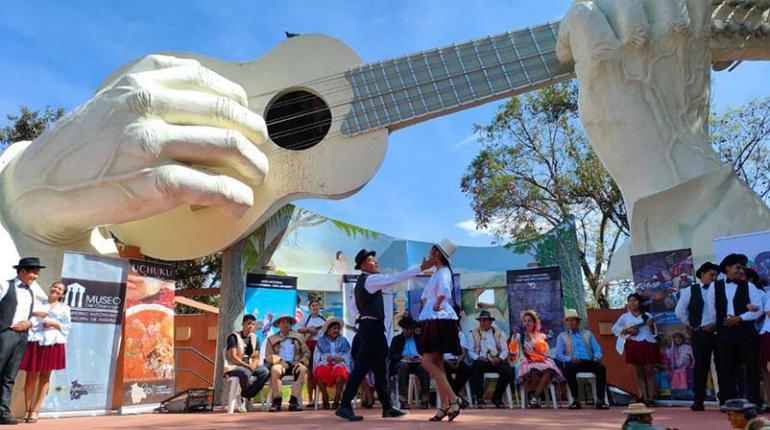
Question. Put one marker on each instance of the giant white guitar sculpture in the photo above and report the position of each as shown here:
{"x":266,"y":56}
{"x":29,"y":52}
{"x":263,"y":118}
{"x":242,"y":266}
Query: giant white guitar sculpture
{"x":327,"y":118}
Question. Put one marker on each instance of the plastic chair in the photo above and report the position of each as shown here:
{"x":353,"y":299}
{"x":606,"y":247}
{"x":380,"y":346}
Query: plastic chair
{"x":551,"y":392}
{"x":233,"y":390}
{"x":591,"y":377}
{"x":492,"y":375}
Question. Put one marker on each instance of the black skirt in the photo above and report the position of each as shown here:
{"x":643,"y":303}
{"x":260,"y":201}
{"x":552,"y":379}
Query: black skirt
{"x":439,"y":336}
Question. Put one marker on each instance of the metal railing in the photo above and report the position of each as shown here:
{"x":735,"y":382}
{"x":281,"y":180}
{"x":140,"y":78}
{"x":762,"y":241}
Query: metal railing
{"x":200,"y":356}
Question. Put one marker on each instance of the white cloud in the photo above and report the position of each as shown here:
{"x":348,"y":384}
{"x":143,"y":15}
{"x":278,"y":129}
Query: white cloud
{"x":471,"y":138}
{"x":473,"y":229}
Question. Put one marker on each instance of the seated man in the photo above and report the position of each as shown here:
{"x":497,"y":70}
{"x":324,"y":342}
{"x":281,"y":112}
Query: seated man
{"x":241,"y":357}
{"x":579,"y":351}
{"x":458,"y":372}
{"x":286,"y":352}
{"x":487,"y":354}
{"x":405,"y":360}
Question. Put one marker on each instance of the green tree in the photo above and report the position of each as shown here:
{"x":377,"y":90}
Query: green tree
{"x":535,"y":171}
{"x":28,"y":124}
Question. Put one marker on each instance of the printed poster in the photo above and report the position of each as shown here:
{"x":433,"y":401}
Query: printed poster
{"x":148,"y":355}
{"x":96,"y":289}
{"x":268,"y":297}
{"x":537,"y":289}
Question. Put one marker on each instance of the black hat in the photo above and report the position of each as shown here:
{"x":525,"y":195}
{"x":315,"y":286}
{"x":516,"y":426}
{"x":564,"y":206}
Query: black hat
{"x":733,"y":259}
{"x":485,"y":315}
{"x":738,"y":405}
{"x":362,"y":255}
{"x":29,"y":263}
{"x":705,"y":267}
{"x":407,"y":322}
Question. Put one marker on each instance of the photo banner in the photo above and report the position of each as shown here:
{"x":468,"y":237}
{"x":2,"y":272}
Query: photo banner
{"x":268,"y":297}
{"x":537,"y":289}
{"x":756,"y":246}
{"x":96,"y":289}
{"x":148,"y":353}
{"x":660,"y":277}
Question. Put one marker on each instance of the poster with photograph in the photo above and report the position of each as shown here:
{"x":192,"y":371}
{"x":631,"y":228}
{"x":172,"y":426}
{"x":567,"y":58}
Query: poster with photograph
{"x":659,"y":277}
{"x":416,"y":286}
{"x":537,"y":289}
{"x":96,"y":290}
{"x":493,"y":299}
{"x":756,"y":246}
{"x":268,"y":297}
{"x":331,"y":303}
{"x":148,"y":354}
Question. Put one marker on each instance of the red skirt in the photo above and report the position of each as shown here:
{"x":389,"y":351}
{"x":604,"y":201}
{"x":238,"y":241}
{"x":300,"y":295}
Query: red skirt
{"x":764,"y":349}
{"x":38,"y":358}
{"x":329,"y":373}
{"x":439,"y":336}
{"x":641,"y":352}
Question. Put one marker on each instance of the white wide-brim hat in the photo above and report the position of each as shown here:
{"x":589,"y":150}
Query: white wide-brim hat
{"x":447,"y":247}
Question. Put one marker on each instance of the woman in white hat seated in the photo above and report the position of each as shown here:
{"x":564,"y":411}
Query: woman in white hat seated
{"x":332,"y":361}
{"x":438,"y":325}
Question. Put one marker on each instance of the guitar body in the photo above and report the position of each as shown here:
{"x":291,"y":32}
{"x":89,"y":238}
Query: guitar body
{"x":335,"y":167}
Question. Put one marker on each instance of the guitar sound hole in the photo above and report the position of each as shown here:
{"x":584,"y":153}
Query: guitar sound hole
{"x":298,"y":120}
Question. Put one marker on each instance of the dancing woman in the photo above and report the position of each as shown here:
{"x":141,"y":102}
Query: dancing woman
{"x":438,"y":324}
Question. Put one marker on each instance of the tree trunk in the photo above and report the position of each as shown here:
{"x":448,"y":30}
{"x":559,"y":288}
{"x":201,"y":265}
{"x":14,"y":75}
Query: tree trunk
{"x":230,"y":307}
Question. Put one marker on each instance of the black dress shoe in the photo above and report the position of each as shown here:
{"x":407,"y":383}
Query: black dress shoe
{"x":481,"y":404}
{"x":602,"y":406}
{"x":8,"y":421}
{"x":498,"y":404}
{"x":347,"y":414}
{"x":576,"y":405}
{"x":697,"y":407}
{"x":276,"y":405}
{"x":294,"y":405}
{"x":393,"y":413}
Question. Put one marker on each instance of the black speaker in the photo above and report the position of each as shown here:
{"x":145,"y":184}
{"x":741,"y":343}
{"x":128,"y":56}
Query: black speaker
{"x":192,"y":400}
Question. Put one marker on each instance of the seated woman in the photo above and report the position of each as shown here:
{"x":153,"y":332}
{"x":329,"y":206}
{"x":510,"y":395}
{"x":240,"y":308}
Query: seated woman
{"x":533,"y":364}
{"x":45,"y":349}
{"x":331,"y":361}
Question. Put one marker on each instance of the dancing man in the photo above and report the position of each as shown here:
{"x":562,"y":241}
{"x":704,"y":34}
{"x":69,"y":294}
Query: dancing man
{"x":373,"y":346}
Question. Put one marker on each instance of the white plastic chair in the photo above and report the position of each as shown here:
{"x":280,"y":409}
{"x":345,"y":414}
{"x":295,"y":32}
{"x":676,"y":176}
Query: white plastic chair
{"x":551,"y":392}
{"x":591,"y":377}
{"x":492,"y":375}
{"x":234,"y":399}
{"x":468,"y":395}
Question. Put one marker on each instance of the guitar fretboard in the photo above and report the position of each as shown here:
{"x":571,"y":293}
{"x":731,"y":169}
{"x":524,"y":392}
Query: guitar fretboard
{"x":401,"y":91}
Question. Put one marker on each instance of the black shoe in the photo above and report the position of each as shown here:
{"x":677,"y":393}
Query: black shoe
{"x":347,"y":414}
{"x":276,"y":406}
{"x":498,"y":404}
{"x":576,"y":405}
{"x":602,"y":406}
{"x":8,"y":421}
{"x":294,"y":405}
{"x":697,"y":407}
{"x":393,"y":413}
{"x":481,"y":404}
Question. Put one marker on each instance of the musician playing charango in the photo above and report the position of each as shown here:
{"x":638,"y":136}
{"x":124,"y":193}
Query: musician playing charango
{"x":641,"y":347}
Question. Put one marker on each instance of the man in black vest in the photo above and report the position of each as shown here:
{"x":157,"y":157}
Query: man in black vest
{"x":691,"y":309}
{"x":373,"y":346}
{"x":729,"y":301}
{"x":17,"y":302}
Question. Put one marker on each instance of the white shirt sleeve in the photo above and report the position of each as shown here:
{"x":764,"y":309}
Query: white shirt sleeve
{"x":711,"y":302}
{"x":504,"y":344}
{"x":755,"y":297}
{"x":376,"y":282}
{"x":681,"y":306}
{"x":619,"y":325}
{"x":444,"y":284}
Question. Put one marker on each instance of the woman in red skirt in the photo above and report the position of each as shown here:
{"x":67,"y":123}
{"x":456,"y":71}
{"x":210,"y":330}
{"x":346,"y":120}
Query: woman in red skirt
{"x":641,"y":347}
{"x":45,"y":349}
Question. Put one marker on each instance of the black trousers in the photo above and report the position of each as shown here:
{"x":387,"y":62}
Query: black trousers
{"x":572,"y":369}
{"x":11,"y":352}
{"x":462,"y":373}
{"x":734,"y":348}
{"x":403,"y":370}
{"x":479,"y":368}
{"x":703,"y":344}
{"x":369,"y":353}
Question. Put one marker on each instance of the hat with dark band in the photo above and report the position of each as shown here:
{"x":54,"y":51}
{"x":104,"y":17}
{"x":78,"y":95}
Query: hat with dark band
{"x":407,"y":322}
{"x":485,"y":315}
{"x":362,"y":255}
{"x":705,"y":267}
{"x":29,"y":263}
{"x":733,"y":259}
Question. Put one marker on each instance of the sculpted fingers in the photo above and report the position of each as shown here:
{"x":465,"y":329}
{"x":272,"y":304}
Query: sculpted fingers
{"x":196,"y":108}
{"x":629,"y":20}
{"x":187,"y":77}
{"x":206,"y":146}
{"x":586,"y":35}
{"x":157,"y":61}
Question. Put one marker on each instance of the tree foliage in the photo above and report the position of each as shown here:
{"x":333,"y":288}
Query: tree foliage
{"x":535,"y":170}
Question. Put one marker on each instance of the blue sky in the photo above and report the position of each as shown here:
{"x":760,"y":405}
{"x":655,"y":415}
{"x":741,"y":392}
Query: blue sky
{"x":56,"y":53}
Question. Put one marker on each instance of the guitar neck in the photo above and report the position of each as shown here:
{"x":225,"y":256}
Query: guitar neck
{"x":406,"y":90}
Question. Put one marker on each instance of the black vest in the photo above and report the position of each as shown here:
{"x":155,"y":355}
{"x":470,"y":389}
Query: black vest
{"x":740,"y":301}
{"x":695,"y":308}
{"x":8,"y":306}
{"x":368,"y":304}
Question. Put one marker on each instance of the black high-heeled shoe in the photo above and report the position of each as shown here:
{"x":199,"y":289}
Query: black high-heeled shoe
{"x":440,"y":414}
{"x":453,"y":413}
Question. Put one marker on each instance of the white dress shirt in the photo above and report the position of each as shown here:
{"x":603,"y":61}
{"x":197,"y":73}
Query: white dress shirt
{"x":765,"y":308}
{"x":682,"y":311}
{"x":440,"y":284}
{"x":287,"y":350}
{"x":378,"y":281}
{"x":628,"y":319}
{"x":755,"y":298}
{"x":51,"y":335}
{"x":25,"y":297}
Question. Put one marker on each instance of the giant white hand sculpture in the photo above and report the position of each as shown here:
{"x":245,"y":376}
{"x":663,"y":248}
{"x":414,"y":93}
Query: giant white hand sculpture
{"x":644,"y":71}
{"x":150,"y":141}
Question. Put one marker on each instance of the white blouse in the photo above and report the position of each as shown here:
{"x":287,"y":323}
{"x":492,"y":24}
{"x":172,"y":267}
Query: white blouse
{"x":628,"y":319}
{"x":765,"y":308}
{"x":440,"y":284}
{"x":51,"y":335}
